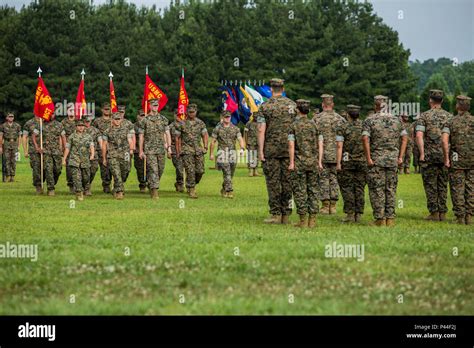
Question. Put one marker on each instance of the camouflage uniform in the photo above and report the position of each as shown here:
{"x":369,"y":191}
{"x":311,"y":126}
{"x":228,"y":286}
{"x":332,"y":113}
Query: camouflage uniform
{"x":251,"y":129}
{"x":118,"y":153}
{"x":353,"y":175}
{"x":79,"y":145}
{"x":304,"y":178}
{"x":278,"y":113}
{"x":69,"y":127}
{"x":53,"y":132}
{"x":383,"y":130}
{"x":102,"y":123}
{"x":226,"y":153}
{"x":433,"y":171}
{"x":416,"y":152}
{"x":35,"y":157}
{"x":131,"y":130}
{"x":461,"y":153}
{"x":328,"y":122}
{"x":192,"y":153}
{"x":139,"y":163}
{"x":153,"y":127}
{"x":406,"y":159}
{"x":11,"y":134}
{"x":95,"y":135}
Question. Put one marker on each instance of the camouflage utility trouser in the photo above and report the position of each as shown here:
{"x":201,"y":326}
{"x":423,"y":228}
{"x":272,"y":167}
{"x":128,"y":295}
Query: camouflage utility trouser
{"x":416,"y":156}
{"x":435,"y":182}
{"x":228,"y":170}
{"x":140,"y":168}
{"x":155,"y":165}
{"x":305,"y":191}
{"x":119,"y":168}
{"x":94,"y":169}
{"x":461,"y":182}
{"x":35,"y":164}
{"x":105,"y":175}
{"x":328,"y":186}
{"x":406,"y":159}
{"x":382,"y":182}
{"x":194,"y":167}
{"x":80,"y":178}
{"x":179,"y":169}
{"x":10,"y":157}
{"x":252,"y":157}
{"x":277,"y":177}
{"x":352,"y":184}
{"x":52,"y":170}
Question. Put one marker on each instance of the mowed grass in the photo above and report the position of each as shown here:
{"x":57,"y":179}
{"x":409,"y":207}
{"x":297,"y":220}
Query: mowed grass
{"x":183,"y":249}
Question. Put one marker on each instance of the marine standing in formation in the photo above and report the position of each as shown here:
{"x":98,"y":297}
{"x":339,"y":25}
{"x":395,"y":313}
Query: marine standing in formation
{"x":137,"y":161}
{"x":251,"y":142}
{"x":328,"y":122}
{"x":102,"y":123}
{"x":226,"y":136}
{"x":305,"y":147}
{"x":79,"y":153}
{"x":383,"y":152}
{"x":69,"y":126}
{"x":54,"y":140}
{"x":351,"y":165}
{"x":175,"y":158}
{"x":10,"y":138}
{"x":433,"y":172}
{"x":458,"y":151}
{"x":274,"y":119}
{"x":189,"y":148}
{"x":155,"y":142}
{"x":97,"y":138}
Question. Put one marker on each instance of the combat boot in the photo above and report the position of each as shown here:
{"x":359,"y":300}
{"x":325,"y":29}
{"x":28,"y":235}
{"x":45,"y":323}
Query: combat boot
{"x":325,"y":208}
{"x":390,"y":222}
{"x":80,"y":196}
{"x":39,"y":190}
{"x":223,"y":193}
{"x":251,"y":172}
{"x":332,"y":207}
{"x":119,"y":196}
{"x":255,"y":172}
{"x":378,"y":222}
{"x":461,"y":220}
{"x":349,"y":218}
{"x":51,"y":193}
{"x":285,"y":219}
{"x":357,"y":217}
{"x":407,"y":170}
{"x":7,"y":178}
{"x":303,"y":221}
{"x":142,"y":189}
{"x":230,"y":194}
{"x":274,"y":219}
{"x":12,"y":179}
{"x":433,"y":217}
{"x":442,"y":216}
{"x":468,"y":219}
{"x":154,"y":193}
{"x":192,"y":193}
{"x":312,"y":220}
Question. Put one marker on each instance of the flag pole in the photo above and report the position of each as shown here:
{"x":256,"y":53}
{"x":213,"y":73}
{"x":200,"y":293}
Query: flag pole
{"x":39,"y":71}
{"x":146,"y":112}
{"x":80,"y":111}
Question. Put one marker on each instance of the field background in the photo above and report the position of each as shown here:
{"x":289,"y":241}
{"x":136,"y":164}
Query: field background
{"x":190,"y":251}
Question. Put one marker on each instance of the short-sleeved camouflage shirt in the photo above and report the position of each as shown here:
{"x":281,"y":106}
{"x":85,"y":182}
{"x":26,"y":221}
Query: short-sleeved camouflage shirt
{"x":328,"y":122}
{"x":117,"y":141}
{"x":153,"y":127}
{"x":305,"y":134}
{"x":190,"y":133}
{"x":10,"y":134}
{"x":350,"y":133}
{"x":52,"y":133}
{"x":79,"y":145}
{"x":226,"y":136}
{"x":461,"y":138}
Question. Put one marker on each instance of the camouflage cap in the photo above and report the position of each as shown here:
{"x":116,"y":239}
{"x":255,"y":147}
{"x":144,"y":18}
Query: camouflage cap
{"x":105,"y":105}
{"x":192,"y":107}
{"x":10,"y":114}
{"x":436,"y":93}
{"x":277,"y":82}
{"x":303,"y":102}
{"x":89,"y":117}
{"x":225,"y":113}
{"x":327,"y":96}
{"x":352,"y":108}
{"x":380,"y":98}
{"x":463,"y":100}
{"x":154,"y":102}
{"x":116,"y":116}
{"x":80,"y":122}
{"x":121,"y":107}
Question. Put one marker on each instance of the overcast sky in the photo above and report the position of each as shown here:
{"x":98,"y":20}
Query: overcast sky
{"x":429,"y":28}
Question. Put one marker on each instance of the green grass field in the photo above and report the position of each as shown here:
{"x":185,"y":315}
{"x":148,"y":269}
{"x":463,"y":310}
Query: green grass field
{"x":182,"y":249}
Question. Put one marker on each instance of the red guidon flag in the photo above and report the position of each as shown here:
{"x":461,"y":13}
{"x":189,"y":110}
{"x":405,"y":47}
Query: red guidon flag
{"x":183,"y":100}
{"x":113,"y":100}
{"x":152,"y":91}
{"x":44,"y":106}
{"x":80,"y":109}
